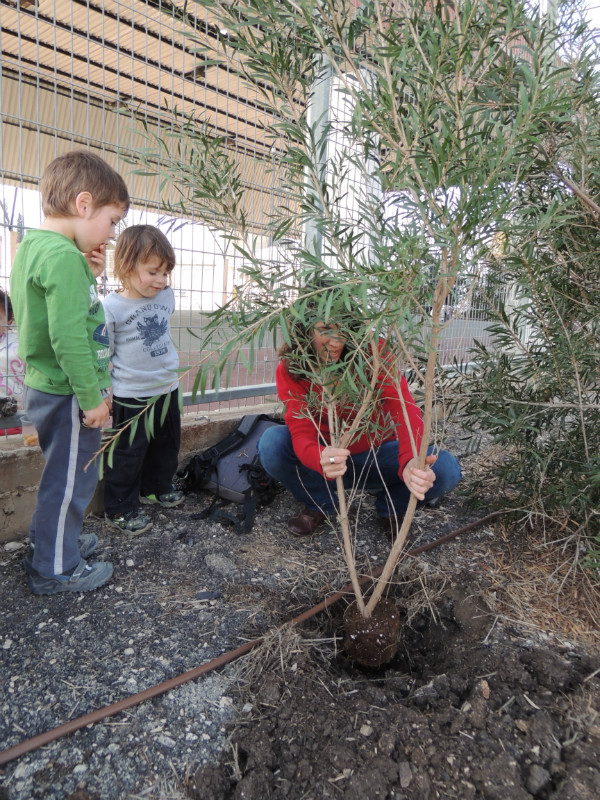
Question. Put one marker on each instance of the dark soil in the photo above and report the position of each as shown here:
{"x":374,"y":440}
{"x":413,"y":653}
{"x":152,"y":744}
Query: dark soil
{"x":478,"y":702}
{"x":372,"y":641}
{"x":453,"y":716}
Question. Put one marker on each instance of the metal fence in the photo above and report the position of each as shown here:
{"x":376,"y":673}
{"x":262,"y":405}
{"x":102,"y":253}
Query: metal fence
{"x":77,"y":74}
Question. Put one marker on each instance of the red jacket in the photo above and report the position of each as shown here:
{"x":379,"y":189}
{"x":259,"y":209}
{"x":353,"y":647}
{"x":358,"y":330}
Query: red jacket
{"x":308,"y":444}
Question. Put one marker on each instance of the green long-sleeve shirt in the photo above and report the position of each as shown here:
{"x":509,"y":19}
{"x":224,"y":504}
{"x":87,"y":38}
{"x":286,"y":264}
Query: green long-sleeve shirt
{"x":60,"y":319}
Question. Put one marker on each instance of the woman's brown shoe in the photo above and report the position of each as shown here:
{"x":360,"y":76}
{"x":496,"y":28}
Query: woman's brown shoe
{"x":306,"y":522}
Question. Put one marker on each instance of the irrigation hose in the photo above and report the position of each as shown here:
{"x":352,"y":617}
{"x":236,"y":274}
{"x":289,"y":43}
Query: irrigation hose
{"x":160,"y":688}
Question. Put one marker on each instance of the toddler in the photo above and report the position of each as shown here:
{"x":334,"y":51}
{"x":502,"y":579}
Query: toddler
{"x":144,"y":365}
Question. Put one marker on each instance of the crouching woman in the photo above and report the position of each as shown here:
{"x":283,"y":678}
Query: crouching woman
{"x":379,"y":460}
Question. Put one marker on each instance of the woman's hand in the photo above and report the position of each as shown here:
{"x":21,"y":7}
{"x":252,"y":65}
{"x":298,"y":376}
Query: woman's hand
{"x":333,"y":462}
{"x":419,"y":481}
{"x":96,"y":260}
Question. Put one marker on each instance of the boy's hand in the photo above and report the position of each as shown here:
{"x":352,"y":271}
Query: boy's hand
{"x":96,"y":417}
{"x":97,"y":260}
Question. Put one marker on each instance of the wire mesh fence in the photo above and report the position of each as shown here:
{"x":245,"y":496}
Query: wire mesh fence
{"x":101,"y":76}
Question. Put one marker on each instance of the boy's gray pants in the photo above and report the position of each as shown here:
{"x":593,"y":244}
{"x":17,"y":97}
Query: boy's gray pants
{"x":66,"y":487}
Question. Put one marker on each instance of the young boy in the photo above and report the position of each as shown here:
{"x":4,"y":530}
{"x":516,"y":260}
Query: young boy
{"x":62,"y":339}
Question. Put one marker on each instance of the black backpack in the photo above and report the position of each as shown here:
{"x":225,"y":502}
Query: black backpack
{"x":232,"y":469}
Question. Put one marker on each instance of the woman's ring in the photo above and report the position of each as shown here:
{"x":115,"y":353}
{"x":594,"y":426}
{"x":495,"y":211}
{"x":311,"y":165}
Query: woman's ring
{"x":331,"y":460}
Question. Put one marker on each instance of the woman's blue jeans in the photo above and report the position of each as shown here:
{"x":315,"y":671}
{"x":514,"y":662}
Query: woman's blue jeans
{"x":374,"y":471}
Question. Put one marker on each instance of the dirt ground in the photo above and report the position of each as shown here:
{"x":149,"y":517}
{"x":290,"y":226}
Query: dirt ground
{"x":493,"y":692}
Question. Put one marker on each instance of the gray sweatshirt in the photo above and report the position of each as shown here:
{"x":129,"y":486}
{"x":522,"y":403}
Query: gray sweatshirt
{"x":144,"y":359}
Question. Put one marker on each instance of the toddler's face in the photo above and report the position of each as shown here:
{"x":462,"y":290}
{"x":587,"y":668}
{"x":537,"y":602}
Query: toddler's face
{"x":147,"y":279}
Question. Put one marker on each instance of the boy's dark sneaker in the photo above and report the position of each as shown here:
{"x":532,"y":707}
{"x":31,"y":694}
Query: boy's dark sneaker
{"x":84,"y":578}
{"x":167,"y":500}
{"x":131,"y":522}
{"x":88,"y":542}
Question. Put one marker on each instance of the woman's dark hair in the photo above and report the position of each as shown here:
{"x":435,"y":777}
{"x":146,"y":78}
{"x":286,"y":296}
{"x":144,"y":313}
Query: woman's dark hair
{"x":320,"y":307}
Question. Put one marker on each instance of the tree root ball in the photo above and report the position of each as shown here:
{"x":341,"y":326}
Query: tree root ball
{"x":372,"y":642}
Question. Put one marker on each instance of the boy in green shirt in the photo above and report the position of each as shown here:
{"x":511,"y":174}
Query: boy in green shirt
{"x":63,"y":341}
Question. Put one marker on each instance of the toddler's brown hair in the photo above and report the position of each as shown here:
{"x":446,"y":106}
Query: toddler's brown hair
{"x":138,"y":244}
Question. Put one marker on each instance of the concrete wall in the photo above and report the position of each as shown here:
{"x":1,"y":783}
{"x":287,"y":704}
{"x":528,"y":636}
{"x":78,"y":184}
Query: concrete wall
{"x":21,"y":466}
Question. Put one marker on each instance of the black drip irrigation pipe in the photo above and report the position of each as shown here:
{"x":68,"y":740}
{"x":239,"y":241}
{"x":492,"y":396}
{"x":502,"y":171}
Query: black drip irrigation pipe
{"x":160,"y":688}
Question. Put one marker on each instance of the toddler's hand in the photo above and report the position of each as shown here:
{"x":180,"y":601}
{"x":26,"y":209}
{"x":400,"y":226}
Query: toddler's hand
{"x":96,"y":417}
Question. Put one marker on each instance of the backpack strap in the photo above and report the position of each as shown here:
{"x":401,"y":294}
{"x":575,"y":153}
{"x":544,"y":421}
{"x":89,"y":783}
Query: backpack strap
{"x":242,"y":522}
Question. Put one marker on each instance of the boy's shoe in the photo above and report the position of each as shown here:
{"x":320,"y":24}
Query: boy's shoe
{"x":84,"y":578}
{"x":132,"y":522}
{"x":88,"y":542}
{"x":167,"y":500}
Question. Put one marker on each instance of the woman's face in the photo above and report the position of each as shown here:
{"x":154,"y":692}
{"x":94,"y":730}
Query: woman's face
{"x":328,"y":342}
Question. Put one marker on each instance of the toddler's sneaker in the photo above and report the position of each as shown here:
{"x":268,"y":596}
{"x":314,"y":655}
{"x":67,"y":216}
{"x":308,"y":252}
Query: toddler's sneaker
{"x":167,"y":500}
{"x":84,"y":578}
{"x":131,"y":522}
{"x":88,"y":542}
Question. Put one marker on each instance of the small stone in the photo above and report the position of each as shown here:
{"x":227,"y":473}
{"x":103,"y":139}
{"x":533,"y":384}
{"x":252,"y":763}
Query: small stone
{"x":22,"y":771}
{"x":6,"y":644}
{"x":366,"y":730}
{"x":11,"y":547}
{"x":405,"y":774}
{"x":130,"y":562}
{"x":537,"y":780}
{"x":80,"y":768}
{"x":129,"y":651}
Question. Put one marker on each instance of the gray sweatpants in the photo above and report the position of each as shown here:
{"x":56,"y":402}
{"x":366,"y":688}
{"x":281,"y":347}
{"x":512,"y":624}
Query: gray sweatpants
{"x":66,"y":487}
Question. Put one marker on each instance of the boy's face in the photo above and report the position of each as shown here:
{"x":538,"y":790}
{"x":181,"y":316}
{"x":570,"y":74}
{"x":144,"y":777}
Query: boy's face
{"x":95,"y":226}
